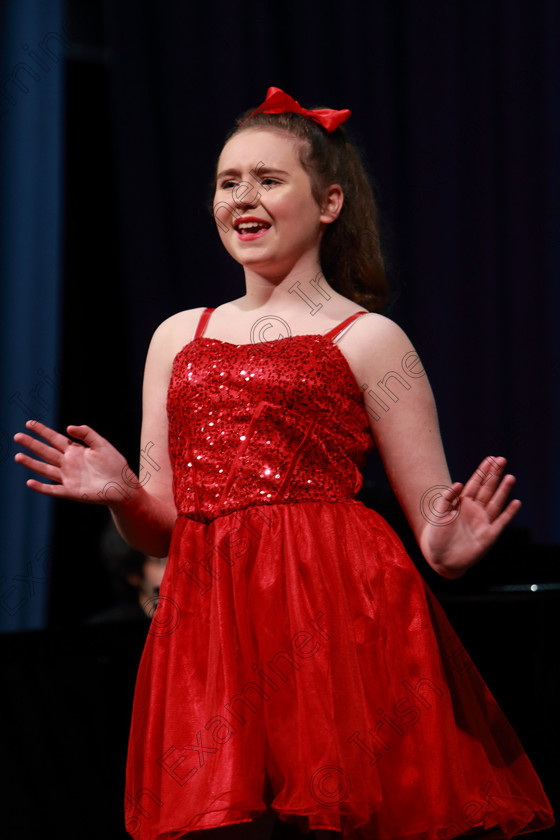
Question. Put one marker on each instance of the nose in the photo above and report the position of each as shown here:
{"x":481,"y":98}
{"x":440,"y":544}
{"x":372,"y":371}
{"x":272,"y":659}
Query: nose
{"x":246,"y":194}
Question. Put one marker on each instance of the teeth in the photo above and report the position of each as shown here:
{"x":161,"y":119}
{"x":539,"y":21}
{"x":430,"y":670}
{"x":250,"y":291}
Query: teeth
{"x":249,"y":225}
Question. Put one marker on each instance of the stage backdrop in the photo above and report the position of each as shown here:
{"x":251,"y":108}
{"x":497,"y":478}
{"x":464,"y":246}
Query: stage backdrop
{"x":455,"y":107}
{"x":32,"y":50}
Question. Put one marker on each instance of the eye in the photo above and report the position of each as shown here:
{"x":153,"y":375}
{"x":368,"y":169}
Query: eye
{"x":269,"y":182}
{"x":228,"y":184}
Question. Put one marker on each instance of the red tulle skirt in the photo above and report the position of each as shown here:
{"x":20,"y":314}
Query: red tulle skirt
{"x":298,"y":662}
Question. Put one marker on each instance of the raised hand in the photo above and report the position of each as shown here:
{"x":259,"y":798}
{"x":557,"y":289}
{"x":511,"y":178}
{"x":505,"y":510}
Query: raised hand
{"x":468,"y":519}
{"x":86,"y":469}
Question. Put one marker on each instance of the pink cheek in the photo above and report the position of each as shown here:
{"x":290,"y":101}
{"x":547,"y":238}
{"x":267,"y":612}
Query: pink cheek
{"x":223,"y":217}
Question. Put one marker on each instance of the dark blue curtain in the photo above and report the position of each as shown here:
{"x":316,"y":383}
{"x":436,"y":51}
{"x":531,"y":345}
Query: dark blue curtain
{"x":455,"y":105}
{"x":32,"y":45}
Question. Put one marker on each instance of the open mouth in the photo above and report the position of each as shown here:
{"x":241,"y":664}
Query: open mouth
{"x":251,"y":228}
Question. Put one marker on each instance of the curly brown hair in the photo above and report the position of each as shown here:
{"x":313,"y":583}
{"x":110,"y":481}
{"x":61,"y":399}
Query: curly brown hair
{"x":350,"y":251}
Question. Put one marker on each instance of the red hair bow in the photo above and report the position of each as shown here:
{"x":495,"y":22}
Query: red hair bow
{"x":278,"y":102}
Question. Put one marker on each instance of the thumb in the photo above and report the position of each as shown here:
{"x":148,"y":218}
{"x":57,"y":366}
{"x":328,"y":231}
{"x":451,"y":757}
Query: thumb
{"x":86,"y":434}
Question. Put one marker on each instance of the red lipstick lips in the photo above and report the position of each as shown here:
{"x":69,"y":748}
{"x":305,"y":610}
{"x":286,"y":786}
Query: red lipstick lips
{"x":250,"y":227}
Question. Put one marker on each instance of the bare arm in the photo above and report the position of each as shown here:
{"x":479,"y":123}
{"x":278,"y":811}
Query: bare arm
{"x":155,"y":472}
{"x":85,"y":467}
{"x":454,"y":525}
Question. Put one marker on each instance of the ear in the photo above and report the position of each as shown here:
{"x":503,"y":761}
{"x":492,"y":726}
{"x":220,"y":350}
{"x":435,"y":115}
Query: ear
{"x":332,"y":204}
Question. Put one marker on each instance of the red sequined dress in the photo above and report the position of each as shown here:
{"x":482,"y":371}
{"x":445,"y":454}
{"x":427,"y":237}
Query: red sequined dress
{"x":297,"y":661}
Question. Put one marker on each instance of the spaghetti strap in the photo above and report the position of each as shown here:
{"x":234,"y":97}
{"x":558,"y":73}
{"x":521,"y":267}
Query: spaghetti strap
{"x":202,"y":322}
{"x":337,"y":331}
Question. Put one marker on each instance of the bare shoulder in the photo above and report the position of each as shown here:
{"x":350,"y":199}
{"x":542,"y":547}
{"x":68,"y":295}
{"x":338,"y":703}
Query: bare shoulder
{"x":376,"y":334}
{"x":375,"y":345}
{"x":174,"y":333}
{"x":376,"y":327}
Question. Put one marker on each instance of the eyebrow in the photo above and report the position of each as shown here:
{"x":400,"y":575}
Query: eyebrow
{"x":258,"y":171}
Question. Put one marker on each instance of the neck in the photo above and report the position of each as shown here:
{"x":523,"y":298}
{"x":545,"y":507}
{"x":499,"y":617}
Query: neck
{"x":303,"y":287}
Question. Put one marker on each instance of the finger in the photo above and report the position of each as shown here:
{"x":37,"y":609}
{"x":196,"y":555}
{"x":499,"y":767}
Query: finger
{"x":452,"y":495}
{"x":498,"y":500}
{"x":42,"y":450}
{"x":53,"y":437}
{"x":506,"y":516}
{"x":86,"y":434}
{"x":482,"y":483}
{"x":49,"y":489}
{"x":40,"y":467}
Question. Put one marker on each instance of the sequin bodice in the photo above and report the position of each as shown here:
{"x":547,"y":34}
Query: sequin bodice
{"x":264,"y":423}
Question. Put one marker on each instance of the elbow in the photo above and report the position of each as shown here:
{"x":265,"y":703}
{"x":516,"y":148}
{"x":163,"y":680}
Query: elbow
{"x":149,"y":533}
{"x":156,"y":543}
{"x":158,"y":547}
